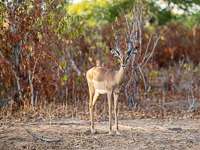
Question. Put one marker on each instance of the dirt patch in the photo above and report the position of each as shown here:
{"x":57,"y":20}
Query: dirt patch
{"x":135,"y":134}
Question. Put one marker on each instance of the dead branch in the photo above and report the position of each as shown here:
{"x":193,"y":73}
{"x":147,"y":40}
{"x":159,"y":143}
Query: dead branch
{"x":161,"y":107}
{"x":164,"y":138}
{"x":175,"y":129}
{"x":192,"y":103}
{"x":14,"y":72}
{"x":152,"y":52}
{"x":127,"y":23}
{"x":142,"y":128}
{"x":73,"y":65}
{"x":45,"y":123}
{"x":42,"y":139}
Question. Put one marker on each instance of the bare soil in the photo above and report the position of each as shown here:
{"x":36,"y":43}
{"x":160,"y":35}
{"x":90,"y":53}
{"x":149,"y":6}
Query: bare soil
{"x":135,"y":134}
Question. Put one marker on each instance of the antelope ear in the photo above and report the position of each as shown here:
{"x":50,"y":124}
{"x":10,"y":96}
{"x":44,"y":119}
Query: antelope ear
{"x":115,"y":53}
{"x":133,"y":51}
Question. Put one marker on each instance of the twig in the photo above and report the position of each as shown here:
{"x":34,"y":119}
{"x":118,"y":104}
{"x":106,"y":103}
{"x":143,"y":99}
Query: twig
{"x":35,"y":66}
{"x":126,"y":21}
{"x":145,"y":85}
{"x":72,"y":62}
{"x":154,"y":46}
{"x":192,"y":105}
{"x":144,"y":57}
{"x":42,"y":139}
{"x":152,"y":52}
{"x":161,"y":107}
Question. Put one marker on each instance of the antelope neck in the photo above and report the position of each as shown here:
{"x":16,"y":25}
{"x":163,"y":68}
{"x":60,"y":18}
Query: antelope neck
{"x":120,"y":75}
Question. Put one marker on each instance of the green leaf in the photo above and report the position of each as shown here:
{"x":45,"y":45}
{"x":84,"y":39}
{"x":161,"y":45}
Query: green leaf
{"x":63,"y":52}
{"x":151,"y":82}
{"x":31,"y":51}
{"x":51,"y":18}
{"x":21,"y":99}
{"x":103,"y":55}
{"x":145,"y":95}
{"x":170,"y":68}
{"x":2,"y":92}
{"x":77,"y":32}
{"x":63,"y":64}
{"x":154,"y":73}
{"x":7,"y":87}
{"x":58,"y":54}
{"x":186,"y":65}
{"x":79,"y":79}
{"x":39,"y":35}
{"x":65,"y":77}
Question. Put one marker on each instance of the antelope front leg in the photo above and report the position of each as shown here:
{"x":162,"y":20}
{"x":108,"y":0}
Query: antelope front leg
{"x":116,"y":111}
{"x":96,"y":95}
{"x":110,"y":112}
{"x":91,"y":119}
{"x":91,"y":92}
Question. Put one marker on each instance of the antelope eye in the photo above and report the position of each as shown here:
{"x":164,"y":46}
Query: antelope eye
{"x":127,"y":57}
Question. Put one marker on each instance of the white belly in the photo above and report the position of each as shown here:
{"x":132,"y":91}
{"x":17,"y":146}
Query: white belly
{"x":101,"y":91}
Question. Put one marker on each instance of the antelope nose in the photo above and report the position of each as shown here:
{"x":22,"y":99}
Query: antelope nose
{"x":123,"y":67}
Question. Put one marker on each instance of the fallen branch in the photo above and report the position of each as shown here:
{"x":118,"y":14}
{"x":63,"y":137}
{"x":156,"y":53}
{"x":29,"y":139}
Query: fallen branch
{"x":45,"y":123}
{"x":161,"y":107}
{"x":42,"y":139}
{"x":163,"y":138}
{"x":142,"y":128}
{"x":175,"y":129}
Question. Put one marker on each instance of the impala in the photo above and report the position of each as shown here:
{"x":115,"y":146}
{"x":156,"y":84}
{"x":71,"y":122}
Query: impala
{"x":101,"y":81}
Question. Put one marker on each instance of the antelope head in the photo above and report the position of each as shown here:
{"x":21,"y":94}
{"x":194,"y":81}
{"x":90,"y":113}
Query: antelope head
{"x":123,"y":56}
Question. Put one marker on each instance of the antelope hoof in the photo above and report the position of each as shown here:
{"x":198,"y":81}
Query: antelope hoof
{"x":93,"y":131}
{"x":110,"y":133}
{"x":117,"y":132}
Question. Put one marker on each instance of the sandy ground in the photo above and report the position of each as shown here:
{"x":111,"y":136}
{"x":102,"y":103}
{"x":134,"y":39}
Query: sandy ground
{"x":135,"y":134}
